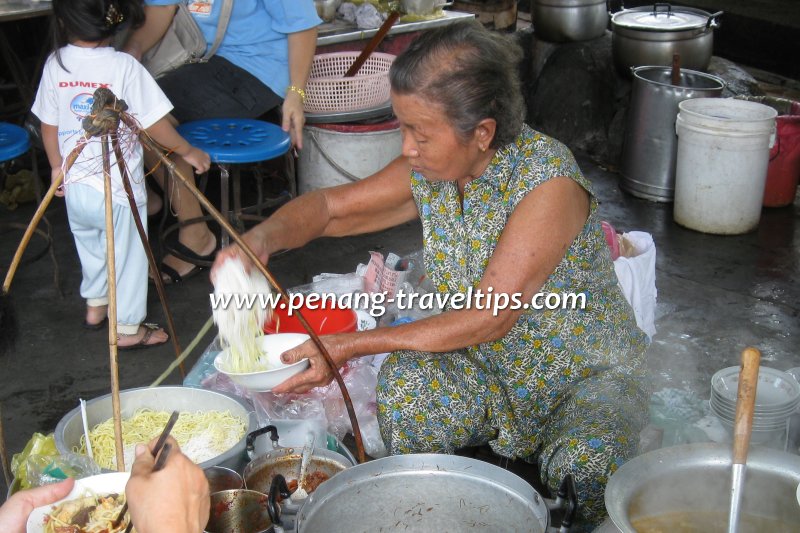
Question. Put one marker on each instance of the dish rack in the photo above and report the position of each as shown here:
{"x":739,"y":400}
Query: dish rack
{"x":328,"y":90}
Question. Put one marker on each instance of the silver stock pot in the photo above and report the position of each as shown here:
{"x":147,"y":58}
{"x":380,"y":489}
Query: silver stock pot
{"x":651,"y":35}
{"x":424,"y":493}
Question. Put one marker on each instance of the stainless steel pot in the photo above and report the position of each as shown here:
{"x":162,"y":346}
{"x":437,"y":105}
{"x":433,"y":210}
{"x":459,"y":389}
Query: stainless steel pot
{"x":693,"y":482}
{"x":569,"y":20}
{"x":650,"y":144}
{"x":651,"y":35}
{"x":428,"y":492}
{"x":259,"y":473}
{"x":70,"y":428}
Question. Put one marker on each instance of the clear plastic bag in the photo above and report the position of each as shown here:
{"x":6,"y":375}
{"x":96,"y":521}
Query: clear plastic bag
{"x":46,"y":469}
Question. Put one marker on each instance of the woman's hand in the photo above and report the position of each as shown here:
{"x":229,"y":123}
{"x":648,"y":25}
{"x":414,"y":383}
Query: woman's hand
{"x":14,"y":513}
{"x":319,"y":374}
{"x":293,"y":118}
{"x":175,"y":498}
{"x":234,"y":251}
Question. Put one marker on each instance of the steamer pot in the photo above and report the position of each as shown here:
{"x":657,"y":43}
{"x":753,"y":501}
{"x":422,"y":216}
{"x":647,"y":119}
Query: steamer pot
{"x":695,"y":479}
{"x":426,"y":492}
{"x":569,"y":20}
{"x":651,"y":35}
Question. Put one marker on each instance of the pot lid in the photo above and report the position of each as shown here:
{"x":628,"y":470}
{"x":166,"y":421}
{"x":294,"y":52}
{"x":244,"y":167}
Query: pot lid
{"x":661,"y":17}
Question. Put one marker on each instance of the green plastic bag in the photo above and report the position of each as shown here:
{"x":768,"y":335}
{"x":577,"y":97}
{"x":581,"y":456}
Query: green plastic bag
{"x":38,"y":445}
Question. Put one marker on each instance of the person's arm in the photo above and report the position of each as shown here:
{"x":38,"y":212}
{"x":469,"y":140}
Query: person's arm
{"x":156,"y":23}
{"x":175,"y":499}
{"x":165,"y":134}
{"x":377,"y":202}
{"x":533,"y":242}
{"x":302,"y":45}
{"x":51,"y":148}
{"x":14,"y":513}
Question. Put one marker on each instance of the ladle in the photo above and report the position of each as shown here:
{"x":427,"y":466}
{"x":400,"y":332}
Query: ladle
{"x":372,"y":44}
{"x":743,"y":425}
{"x":301,"y":493}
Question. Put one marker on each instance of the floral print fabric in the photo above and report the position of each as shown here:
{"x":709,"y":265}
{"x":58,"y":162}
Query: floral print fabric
{"x":563,"y":387}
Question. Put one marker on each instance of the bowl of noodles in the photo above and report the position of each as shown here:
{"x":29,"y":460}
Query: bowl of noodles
{"x":211,"y":430}
{"x":259,"y":368}
{"x":92,"y":505}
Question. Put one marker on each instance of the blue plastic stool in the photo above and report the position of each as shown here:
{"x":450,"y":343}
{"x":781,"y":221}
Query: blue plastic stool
{"x":235,"y":141}
{"x":14,"y":141}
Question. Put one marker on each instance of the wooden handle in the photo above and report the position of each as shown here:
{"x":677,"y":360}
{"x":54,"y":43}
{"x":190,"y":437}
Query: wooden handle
{"x":745,"y":404}
{"x":676,"y":69}
{"x":373,"y":44}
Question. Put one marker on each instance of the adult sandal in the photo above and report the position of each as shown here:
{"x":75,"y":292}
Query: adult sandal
{"x":184,"y":253}
{"x":149,"y":329}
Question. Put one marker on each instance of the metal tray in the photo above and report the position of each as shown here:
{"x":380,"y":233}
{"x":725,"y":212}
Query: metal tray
{"x":337,"y":117}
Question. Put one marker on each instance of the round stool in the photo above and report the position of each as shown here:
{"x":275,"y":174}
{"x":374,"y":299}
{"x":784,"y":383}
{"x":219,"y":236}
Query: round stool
{"x":235,"y":141}
{"x":14,"y":141}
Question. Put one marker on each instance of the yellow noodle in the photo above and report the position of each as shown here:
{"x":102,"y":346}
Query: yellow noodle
{"x":220,"y":430}
{"x":100,"y":518}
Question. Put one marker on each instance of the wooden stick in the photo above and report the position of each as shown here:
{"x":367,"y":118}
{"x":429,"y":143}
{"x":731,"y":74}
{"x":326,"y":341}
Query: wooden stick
{"x":37,"y":216}
{"x":745,"y":404}
{"x":372,"y":44}
{"x":676,"y":69}
{"x":112,"y":305}
{"x":162,"y":296}
{"x":209,"y":207}
{"x":4,"y":453}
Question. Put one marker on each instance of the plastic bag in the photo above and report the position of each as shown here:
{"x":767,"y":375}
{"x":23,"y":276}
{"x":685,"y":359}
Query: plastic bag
{"x":39,"y":444}
{"x":637,"y":277}
{"x":46,"y":469}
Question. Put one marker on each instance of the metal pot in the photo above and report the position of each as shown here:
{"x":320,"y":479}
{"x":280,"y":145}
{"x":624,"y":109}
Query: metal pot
{"x":238,"y":510}
{"x":693,"y":481}
{"x":259,"y":473}
{"x":651,"y":35}
{"x":70,"y":428}
{"x":569,"y":20}
{"x":428,"y":492}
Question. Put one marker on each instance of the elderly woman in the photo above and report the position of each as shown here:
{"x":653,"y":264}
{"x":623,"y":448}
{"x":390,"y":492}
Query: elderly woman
{"x":506,"y":210}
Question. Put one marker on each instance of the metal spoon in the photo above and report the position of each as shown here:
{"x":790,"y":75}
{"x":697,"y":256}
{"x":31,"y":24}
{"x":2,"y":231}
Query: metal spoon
{"x":300,"y":493}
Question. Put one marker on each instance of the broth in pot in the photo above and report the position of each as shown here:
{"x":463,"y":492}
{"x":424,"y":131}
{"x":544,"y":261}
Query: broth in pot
{"x":708,"y":522}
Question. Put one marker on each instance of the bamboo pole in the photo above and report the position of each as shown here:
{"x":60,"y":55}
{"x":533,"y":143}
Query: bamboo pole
{"x":112,"y":304}
{"x":3,"y":452}
{"x":162,"y":296}
{"x":209,"y":207}
{"x":37,"y":216}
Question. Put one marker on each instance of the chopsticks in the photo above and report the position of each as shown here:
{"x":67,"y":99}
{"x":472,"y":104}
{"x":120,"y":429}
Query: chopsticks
{"x":160,"y":460}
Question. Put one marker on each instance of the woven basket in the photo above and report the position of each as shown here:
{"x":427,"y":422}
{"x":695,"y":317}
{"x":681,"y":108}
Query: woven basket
{"x":329,"y":91}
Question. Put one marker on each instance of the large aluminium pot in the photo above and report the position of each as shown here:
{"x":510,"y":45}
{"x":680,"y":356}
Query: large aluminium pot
{"x":427,"y":492}
{"x":652,"y":35}
{"x":569,"y":20}
{"x":693,"y":483}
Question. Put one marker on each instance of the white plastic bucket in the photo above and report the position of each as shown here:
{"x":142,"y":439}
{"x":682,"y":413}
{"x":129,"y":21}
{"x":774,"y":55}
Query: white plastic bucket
{"x":334,"y":154}
{"x":721,"y":167}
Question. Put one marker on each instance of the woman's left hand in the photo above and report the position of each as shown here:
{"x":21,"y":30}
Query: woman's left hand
{"x":293,"y":118}
{"x":319,"y":373}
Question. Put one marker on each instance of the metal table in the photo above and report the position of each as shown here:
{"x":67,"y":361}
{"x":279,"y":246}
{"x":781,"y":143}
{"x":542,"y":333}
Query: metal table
{"x":340,"y":31}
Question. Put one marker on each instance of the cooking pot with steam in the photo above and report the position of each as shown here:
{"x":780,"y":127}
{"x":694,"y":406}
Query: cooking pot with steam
{"x":687,"y":488}
{"x":652,"y":35}
{"x":423,"y":493}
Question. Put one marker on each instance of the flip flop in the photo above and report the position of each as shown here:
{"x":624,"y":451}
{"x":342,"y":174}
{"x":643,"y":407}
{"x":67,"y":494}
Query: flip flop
{"x":142,"y":344}
{"x":95,"y":327}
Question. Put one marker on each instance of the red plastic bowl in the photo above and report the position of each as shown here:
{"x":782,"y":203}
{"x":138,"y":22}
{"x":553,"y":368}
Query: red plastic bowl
{"x":322,"y":321}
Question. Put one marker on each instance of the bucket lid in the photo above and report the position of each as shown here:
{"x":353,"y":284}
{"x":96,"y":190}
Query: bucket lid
{"x":651,"y":18}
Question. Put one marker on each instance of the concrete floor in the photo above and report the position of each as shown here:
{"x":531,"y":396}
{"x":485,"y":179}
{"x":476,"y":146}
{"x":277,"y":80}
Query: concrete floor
{"x":716,"y":295}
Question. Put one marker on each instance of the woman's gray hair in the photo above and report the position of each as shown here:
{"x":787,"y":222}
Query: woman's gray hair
{"x":470,"y":72}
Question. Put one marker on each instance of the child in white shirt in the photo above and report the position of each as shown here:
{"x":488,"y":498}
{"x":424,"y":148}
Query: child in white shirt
{"x":81,"y":62}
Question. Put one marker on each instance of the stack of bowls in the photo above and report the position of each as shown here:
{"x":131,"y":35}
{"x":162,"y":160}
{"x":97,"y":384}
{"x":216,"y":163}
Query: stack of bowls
{"x":777,"y":398}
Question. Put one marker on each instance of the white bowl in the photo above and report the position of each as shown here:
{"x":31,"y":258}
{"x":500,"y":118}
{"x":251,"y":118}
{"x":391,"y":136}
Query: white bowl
{"x":273,"y":346}
{"x":775,"y":389}
{"x":103,"y":484}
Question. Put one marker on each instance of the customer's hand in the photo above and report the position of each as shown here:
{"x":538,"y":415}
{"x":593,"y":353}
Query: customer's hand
{"x":294,"y":118}
{"x":199,"y":159}
{"x":175,"y":499}
{"x":14,"y":513}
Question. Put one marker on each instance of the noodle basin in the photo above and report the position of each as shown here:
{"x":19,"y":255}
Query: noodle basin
{"x":272,"y":346}
{"x":183,"y":399}
{"x":101,"y":484}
